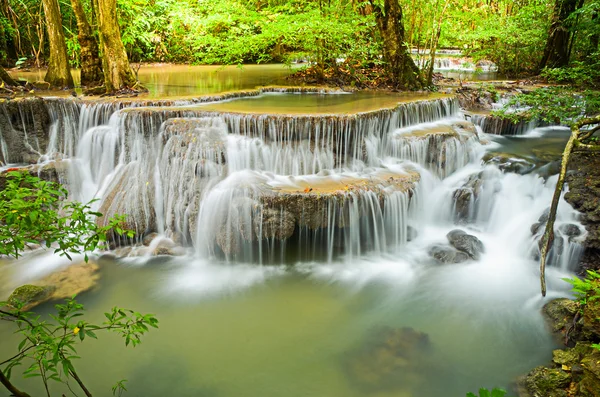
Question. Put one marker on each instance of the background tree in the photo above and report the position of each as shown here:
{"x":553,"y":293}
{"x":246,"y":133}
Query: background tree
{"x":399,"y":64}
{"x":117,"y":72}
{"x":558,"y":45}
{"x":59,"y":72}
{"x":91,"y":64}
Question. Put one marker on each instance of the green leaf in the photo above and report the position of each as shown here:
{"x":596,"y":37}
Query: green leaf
{"x":484,"y":392}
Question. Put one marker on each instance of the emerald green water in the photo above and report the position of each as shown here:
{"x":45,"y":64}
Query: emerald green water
{"x":236,"y":330}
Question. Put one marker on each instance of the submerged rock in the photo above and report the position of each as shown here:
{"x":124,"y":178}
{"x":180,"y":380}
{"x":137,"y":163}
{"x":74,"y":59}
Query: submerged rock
{"x":390,"y":358}
{"x":466,"y":243}
{"x":447,"y":255}
{"x":73,"y":280}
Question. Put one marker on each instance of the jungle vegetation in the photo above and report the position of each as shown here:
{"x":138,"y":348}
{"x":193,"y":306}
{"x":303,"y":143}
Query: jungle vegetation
{"x":523,"y":37}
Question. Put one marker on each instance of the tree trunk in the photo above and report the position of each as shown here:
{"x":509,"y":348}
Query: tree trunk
{"x":91,"y":65}
{"x":117,"y":72}
{"x":5,"y":77}
{"x":399,"y":64}
{"x":59,"y":73}
{"x":556,"y":52}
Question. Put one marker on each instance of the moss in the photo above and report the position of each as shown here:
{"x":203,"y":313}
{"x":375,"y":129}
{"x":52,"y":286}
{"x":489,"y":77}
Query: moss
{"x":548,"y":382}
{"x":29,"y":295}
{"x":560,"y":312}
{"x":567,"y":357}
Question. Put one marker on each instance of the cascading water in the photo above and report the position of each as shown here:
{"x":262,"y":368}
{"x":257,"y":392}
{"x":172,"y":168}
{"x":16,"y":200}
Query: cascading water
{"x":241,"y":184}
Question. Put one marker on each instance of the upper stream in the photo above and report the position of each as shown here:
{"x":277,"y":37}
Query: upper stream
{"x":309,"y":224}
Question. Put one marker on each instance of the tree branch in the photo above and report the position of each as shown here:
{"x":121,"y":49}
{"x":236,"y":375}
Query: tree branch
{"x":10,"y":387}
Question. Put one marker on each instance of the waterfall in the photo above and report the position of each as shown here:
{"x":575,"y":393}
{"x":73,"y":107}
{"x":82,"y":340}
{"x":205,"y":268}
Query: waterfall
{"x":258,"y":187}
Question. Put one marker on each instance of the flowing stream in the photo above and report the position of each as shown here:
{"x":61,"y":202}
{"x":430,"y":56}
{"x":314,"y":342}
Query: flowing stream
{"x":306,"y":236}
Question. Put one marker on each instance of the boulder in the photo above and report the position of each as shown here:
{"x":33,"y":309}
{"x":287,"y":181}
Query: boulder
{"x":570,"y":230}
{"x":466,"y":243}
{"x":447,"y":255}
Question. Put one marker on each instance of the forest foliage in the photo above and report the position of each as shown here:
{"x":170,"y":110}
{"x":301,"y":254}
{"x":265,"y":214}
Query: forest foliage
{"x":511,"y":34}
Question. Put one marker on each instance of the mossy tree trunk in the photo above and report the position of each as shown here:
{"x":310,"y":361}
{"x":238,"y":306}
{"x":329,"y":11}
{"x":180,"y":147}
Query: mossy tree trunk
{"x":91,"y":64}
{"x":556,"y":52}
{"x":399,"y":64}
{"x":59,"y":73}
{"x":575,"y":143}
{"x":117,"y":72}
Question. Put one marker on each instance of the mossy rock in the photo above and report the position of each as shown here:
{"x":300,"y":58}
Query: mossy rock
{"x":559,"y":313}
{"x":591,"y":315}
{"x":590,"y":382}
{"x":567,"y":357}
{"x":547,"y":382}
{"x":30,"y":295}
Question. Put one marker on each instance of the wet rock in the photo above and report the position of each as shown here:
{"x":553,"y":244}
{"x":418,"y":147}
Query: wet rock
{"x":509,"y":163}
{"x":590,"y":381}
{"x":24,"y":124}
{"x":547,"y":382}
{"x":568,"y":357}
{"x":123,"y":251}
{"x":447,"y":255}
{"x":570,"y":230}
{"x":390,"y":358}
{"x":591,"y":314}
{"x":583,"y":179}
{"x":559,"y":314}
{"x":29,"y":296}
{"x":277,"y":224}
{"x":466,"y":243}
{"x":149,"y":238}
{"x":545,"y":215}
{"x":465,"y":198}
{"x":537,"y":228}
{"x":168,"y":247}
